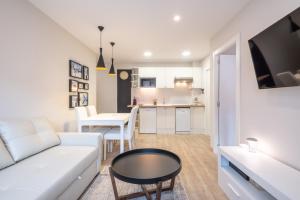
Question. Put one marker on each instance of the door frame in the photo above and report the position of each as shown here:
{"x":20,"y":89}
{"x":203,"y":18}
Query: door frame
{"x":215,"y":88}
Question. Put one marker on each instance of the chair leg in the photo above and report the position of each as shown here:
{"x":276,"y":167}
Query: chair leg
{"x":104,"y":149}
{"x":130,"y":144}
{"x":110,"y":146}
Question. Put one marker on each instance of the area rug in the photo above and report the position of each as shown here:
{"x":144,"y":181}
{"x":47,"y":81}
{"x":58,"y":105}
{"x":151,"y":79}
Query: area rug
{"x":101,"y":189}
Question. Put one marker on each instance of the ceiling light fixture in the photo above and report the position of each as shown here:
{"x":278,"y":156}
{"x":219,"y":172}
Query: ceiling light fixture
{"x":112,"y":67}
{"x":147,"y":54}
{"x":186,"y":53}
{"x":100,"y":63}
{"x":176,"y":18}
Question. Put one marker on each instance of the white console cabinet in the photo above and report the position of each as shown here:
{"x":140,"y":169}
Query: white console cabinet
{"x":263,"y":177}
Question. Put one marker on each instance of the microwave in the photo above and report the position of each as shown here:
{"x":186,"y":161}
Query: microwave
{"x":148,"y":82}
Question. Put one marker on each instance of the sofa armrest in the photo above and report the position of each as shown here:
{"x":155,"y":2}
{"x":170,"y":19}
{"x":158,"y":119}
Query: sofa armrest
{"x":80,"y":139}
{"x":83,"y":139}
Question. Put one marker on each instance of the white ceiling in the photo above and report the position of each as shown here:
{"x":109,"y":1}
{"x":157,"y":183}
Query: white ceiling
{"x":140,"y":25}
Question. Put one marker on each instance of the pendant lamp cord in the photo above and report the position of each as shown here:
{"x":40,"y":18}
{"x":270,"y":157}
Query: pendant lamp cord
{"x":100,"y":39}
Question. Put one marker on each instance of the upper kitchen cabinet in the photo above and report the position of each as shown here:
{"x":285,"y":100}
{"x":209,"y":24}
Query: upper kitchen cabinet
{"x":165,"y":76}
{"x":154,"y":72}
{"x":197,"y":77}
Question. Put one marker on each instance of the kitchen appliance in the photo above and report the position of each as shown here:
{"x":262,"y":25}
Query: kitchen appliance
{"x":275,"y":53}
{"x":148,"y":82}
{"x":183,"y":120}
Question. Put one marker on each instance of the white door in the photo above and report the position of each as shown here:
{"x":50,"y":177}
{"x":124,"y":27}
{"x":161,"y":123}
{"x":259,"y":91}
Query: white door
{"x":207,"y":90}
{"x":227,"y":100}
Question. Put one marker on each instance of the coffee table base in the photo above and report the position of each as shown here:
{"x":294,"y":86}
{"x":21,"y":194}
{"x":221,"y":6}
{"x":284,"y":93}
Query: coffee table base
{"x":147,"y":193}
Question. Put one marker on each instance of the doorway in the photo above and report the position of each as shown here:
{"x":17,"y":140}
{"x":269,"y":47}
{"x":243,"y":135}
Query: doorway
{"x":124,"y":90}
{"x":226,"y":95}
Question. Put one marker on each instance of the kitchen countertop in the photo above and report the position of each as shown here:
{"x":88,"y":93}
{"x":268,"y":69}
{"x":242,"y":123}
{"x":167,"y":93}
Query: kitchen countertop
{"x":169,"y":105}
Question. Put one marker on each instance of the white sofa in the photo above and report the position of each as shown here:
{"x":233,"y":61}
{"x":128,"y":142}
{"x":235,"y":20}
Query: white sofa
{"x":37,"y":163}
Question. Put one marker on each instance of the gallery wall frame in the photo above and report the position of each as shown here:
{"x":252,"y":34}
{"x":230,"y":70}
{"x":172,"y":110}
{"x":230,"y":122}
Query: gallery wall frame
{"x":73,"y":101}
{"x":86,"y":86}
{"x":73,"y":85}
{"x":83,"y":99}
{"x":75,"y":69}
{"x":85,"y":73}
{"x":81,"y":85}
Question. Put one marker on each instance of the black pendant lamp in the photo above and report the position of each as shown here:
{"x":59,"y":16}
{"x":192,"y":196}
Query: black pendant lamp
{"x":112,"y":67}
{"x":101,"y":65}
{"x":294,"y":26}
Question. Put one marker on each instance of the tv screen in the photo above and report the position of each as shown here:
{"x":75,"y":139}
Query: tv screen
{"x":276,"y":53}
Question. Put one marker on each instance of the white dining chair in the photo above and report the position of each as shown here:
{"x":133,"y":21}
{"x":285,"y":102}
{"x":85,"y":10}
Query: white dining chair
{"x":82,"y":114}
{"x":91,"y":110}
{"x":114,"y":133}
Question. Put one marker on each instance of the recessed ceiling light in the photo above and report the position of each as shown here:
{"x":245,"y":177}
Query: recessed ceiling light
{"x":176,"y":18}
{"x":148,"y":54}
{"x":186,"y":53}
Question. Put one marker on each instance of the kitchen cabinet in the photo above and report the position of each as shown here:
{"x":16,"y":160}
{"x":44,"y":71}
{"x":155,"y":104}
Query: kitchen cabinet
{"x":154,"y":72}
{"x":160,"y":77}
{"x":197,"y":119}
{"x":147,"y":120}
{"x":183,"y":120}
{"x":165,"y":120}
{"x":197,"y":77}
{"x":165,"y":75}
{"x":147,"y":72}
{"x":169,"y":77}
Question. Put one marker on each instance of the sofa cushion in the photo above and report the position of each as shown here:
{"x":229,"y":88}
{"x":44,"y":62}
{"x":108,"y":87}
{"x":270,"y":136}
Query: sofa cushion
{"x":5,"y":158}
{"x":23,"y":140}
{"x":46,"y":175}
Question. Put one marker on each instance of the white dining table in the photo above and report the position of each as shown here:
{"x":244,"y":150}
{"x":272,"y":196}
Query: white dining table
{"x":107,"y":119}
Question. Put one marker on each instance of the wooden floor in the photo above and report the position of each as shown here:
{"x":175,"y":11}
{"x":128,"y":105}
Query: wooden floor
{"x":199,"y":173}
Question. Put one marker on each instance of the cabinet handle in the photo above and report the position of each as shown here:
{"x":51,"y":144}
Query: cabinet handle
{"x":233,"y":190}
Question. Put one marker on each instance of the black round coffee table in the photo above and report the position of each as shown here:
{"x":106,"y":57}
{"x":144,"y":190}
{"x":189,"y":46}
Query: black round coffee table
{"x":145,"y":166}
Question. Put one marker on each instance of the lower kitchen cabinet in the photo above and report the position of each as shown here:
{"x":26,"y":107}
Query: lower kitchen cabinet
{"x":165,"y":120}
{"x":147,"y":120}
{"x":197,"y":119}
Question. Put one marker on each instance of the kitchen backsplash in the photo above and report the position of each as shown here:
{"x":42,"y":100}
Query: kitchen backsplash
{"x":166,"y":95}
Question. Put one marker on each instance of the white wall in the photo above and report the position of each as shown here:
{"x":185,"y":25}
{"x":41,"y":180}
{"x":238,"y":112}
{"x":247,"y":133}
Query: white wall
{"x":272,"y":115}
{"x":34,"y":71}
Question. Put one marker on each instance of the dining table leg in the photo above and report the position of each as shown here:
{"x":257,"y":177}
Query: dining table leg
{"x":122,"y":138}
{"x":79,"y":128}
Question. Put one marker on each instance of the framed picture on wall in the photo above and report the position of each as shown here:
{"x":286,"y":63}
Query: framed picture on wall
{"x":73,"y":85}
{"x":83,"y":98}
{"x":80,"y":85}
{"x":73,"y":101}
{"x":86,"y":86}
{"x":86,"y":74}
{"x":76,"y":69}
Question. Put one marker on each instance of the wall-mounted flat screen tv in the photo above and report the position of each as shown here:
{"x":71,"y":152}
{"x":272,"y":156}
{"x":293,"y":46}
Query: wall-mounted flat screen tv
{"x":276,"y":53}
